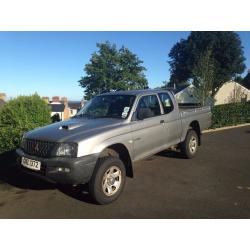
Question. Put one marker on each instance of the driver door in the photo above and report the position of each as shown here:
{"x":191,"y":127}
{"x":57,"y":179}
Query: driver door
{"x":147,"y":127}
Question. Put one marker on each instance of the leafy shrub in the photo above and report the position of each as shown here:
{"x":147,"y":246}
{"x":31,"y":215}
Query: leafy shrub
{"x":19,"y":115}
{"x":230,"y":114}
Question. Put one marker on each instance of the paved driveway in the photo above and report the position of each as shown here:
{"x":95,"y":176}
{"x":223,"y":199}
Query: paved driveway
{"x":216,"y":184}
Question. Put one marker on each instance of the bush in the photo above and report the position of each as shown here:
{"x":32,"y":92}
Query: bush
{"x":230,"y":114}
{"x":19,"y":115}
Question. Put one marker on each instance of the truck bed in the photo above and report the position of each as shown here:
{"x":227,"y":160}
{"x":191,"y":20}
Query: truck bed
{"x":202,"y":114}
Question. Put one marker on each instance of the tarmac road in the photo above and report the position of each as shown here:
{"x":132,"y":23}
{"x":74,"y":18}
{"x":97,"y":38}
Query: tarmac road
{"x":215,"y":184}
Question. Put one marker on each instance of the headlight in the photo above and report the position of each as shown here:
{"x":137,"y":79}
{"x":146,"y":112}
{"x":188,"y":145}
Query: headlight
{"x":66,"y":149}
{"x":23,"y":143}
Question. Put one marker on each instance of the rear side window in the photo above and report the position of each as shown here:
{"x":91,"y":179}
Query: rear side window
{"x":149,"y":106}
{"x":166,"y":102}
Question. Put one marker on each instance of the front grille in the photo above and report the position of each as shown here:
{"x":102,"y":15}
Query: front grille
{"x":38,"y":148}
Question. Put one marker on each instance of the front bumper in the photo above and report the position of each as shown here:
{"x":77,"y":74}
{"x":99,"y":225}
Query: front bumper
{"x":79,"y":170}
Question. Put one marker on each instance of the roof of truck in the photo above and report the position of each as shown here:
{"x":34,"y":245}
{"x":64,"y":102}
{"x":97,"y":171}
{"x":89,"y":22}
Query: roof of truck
{"x":134,"y":92}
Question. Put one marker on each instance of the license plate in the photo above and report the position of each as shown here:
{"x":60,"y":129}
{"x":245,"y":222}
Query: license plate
{"x":31,"y":164}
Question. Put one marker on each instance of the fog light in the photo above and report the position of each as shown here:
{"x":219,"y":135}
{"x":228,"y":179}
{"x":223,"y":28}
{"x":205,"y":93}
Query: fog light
{"x":66,"y":170}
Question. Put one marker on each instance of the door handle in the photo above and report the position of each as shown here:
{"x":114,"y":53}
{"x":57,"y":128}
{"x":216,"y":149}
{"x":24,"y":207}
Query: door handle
{"x":162,"y":121}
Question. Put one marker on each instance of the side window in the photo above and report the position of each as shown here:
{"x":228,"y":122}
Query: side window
{"x":148,"y":106}
{"x":166,"y":102}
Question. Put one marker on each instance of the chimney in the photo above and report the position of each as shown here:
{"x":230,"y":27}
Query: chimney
{"x":46,"y":99}
{"x":3,"y":96}
{"x":55,"y":99}
{"x":64,"y":100}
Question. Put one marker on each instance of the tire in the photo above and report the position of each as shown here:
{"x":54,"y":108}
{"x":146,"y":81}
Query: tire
{"x":108,"y":180}
{"x":190,"y":145}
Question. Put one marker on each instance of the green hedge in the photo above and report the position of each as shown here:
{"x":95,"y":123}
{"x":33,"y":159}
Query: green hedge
{"x":230,"y":114}
{"x":19,"y":115}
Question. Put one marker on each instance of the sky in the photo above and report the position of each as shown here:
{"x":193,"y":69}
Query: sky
{"x":51,"y":63}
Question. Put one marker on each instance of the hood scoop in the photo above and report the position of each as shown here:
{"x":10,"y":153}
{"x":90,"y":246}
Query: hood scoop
{"x":71,"y":126}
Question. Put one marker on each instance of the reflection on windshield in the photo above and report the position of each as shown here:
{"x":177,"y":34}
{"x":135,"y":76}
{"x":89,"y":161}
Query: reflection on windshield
{"x":108,"y":106}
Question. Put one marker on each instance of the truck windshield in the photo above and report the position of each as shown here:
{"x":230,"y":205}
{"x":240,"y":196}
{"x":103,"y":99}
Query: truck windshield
{"x":108,"y":106}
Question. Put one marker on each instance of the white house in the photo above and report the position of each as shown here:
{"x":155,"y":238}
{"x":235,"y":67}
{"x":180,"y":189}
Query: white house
{"x":58,"y":109}
{"x":75,"y":106}
{"x":63,"y":108}
{"x":231,"y":91}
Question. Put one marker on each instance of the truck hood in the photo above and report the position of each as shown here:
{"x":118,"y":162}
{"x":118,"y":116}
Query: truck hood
{"x":73,"y":130}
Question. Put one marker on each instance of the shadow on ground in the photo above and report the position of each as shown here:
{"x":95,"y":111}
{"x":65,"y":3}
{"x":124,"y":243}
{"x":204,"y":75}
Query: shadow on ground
{"x":80,"y":193}
{"x":12,"y":175}
{"x":171,"y":154}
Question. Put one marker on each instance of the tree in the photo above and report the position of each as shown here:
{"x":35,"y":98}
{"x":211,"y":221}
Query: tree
{"x":19,"y":115}
{"x":239,"y":79}
{"x":246,"y":80}
{"x":203,"y":75}
{"x":227,"y":52}
{"x":112,"y":69}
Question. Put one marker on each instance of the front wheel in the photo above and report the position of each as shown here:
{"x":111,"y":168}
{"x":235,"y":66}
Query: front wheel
{"x":190,"y":145}
{"x":108,"y":180}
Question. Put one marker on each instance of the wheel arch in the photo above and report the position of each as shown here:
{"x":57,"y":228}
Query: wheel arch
{"x":121,"y":151}
{"x":194,"y":125}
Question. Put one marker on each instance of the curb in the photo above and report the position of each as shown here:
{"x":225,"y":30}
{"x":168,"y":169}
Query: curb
{"x":225,"y":128}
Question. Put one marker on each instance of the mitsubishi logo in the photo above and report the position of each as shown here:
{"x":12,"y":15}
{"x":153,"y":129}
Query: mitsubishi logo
{"x":36,"y":148}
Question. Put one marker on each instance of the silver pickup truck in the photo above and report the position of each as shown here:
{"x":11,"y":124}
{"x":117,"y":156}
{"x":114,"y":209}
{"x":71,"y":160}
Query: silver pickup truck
{"x":99,"y":145}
